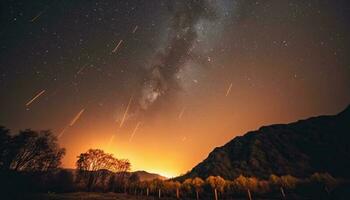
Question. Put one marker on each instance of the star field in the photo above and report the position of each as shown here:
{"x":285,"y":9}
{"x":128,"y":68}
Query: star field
{"x":140,"y":77}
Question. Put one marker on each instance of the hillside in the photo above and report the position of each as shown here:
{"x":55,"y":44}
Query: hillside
{"x":317,"y":144}
{"x":143,"y":175}
{"x":147,"y":176}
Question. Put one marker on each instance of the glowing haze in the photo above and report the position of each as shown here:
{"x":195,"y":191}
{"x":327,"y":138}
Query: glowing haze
{"x":164,"y":82}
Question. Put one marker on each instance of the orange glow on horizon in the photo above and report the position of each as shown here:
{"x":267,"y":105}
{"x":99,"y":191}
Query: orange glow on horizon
{"x":207,"y":121}
{"x":150,"y":159}
{"x":160,"y":150}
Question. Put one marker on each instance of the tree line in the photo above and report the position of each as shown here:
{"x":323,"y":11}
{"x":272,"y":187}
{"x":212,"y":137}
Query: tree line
{"x":216,"y":187}
{"x":30,"y":162}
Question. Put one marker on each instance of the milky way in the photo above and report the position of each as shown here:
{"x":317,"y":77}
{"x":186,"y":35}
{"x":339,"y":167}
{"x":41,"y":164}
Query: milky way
{"x":182,"y":35}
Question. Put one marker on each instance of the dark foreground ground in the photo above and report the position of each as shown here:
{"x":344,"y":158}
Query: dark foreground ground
{"x":87,"y":196}
{"x":97,"y":196}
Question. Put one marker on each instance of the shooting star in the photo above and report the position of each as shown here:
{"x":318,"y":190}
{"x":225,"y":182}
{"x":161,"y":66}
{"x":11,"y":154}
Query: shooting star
{"x":135,"y":29}
{"x":134,"y":131}
{"x":116,"y":48}
{"x":81,"y":69}
{"x":229,"y":90}
{"x":75,"y":119}
{"x":62,"y":132}
{"x":181,"y":113}
{"x":35,"y":97}
{"x":37,"y":16}
{"x":125,"y":113}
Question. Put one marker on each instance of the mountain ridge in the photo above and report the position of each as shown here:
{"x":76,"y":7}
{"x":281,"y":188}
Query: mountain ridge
{"x":315,"y":144}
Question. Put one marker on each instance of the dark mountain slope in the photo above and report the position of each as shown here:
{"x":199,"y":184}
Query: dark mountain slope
{"x":317,"y":144}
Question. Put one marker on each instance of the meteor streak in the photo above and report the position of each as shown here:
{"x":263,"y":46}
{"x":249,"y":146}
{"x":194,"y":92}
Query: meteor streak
{"x":229,"y":90}
{"x":61,"y":133}
{"x":37,"y":16}
{"x":81,"y":69}
{"x":75,"y":119}
{"x":116,"y":48}
{"x":181,"y":113}
{"x":134,"y":131}
{"x":136,"y":27}
{"x":125,"y":113}
{"x":35,"y":97}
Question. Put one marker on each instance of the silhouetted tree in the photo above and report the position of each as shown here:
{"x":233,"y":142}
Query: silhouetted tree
{"x":30,"y":151}
{"x":217,"y":184}
{"x":134,"y":178}
{"x":36,"y":153}
{"x":186,"y":185}
{"x":194,"y":184}
{"x":145,"y":187}
{"x":197,"y":184}
{"x":134,"y":182}
{"x":122,"y":169}
{"x":174,"y":186}
{"x":275,"y":180}
{"x":91,"y":164}
{"x":171,"y":187}
{"x":325,"y":180}
{"x":156,"y":186}
{"x":289,"y":181}
{"x":177,"y":186}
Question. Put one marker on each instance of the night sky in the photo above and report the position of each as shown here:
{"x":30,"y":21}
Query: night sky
{"x":163,"y":82}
